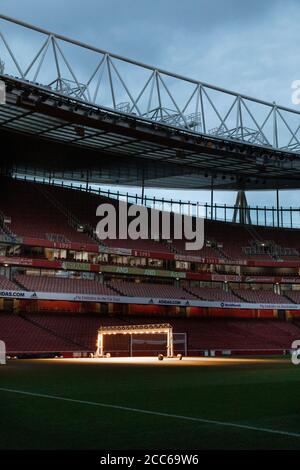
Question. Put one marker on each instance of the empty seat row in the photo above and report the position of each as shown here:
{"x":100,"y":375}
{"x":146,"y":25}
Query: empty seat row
{"x":166,"y":291}
{"x":77,"y":332}
{"x":64,"y":285}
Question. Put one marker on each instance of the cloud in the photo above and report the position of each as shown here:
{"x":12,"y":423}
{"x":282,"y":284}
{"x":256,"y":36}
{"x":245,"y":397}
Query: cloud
{"x":252,"y":49}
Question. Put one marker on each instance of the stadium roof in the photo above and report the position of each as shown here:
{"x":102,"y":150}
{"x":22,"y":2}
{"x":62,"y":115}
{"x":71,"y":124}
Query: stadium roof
{"x":62,"y":132}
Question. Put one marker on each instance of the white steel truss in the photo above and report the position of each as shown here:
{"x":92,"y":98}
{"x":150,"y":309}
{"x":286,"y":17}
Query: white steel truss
{"x":95,"y":76}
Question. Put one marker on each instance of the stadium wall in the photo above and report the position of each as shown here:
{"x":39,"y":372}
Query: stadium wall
{"x":34,"y":306}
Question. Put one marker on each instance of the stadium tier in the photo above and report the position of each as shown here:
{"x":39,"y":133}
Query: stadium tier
{"x":57,"y":214}
{"x":6,"y":284}
{"x":33,"y":214}
{"x":260,"y":296}
{"x":54,"y":284}
{"x":150,"y":290}
{"x":143,"y":321}
{"x":48,"y":245}
{"x":60,"y":333}
{"x":206,"y":251}
{"x":206,"y":293}
{"x":22,"y":335}
{"x":294,"y":296}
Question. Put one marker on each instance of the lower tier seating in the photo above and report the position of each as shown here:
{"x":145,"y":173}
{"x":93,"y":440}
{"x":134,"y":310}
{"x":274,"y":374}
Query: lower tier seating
{"x":21,"y":335}
{"x":78,"y":332}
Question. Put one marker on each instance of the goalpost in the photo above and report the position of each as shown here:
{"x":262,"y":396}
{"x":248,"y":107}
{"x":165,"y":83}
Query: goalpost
{"x":138,"y":343}
{"x":159,"y":329}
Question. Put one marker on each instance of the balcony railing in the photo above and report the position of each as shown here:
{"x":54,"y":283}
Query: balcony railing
{"x":265,"y":216}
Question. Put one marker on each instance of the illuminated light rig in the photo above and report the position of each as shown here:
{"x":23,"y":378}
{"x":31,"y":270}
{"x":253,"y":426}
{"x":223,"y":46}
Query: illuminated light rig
{"x":164,"y":328}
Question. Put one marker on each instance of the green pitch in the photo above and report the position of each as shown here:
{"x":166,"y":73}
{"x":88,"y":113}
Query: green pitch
{"x":157,"y":405}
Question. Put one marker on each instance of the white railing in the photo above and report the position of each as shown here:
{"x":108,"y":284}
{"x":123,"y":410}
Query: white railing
{"x":284,"y":217}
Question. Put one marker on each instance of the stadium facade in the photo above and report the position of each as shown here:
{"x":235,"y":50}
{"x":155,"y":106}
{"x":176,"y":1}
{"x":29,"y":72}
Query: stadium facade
{"x":61,"y":139}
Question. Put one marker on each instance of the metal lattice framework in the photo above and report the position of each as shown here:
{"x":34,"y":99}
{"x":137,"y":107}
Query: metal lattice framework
{"x":92,"y":75}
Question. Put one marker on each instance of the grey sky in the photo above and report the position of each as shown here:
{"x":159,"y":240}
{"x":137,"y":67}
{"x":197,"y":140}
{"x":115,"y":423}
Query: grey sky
{"x":252,"y":49}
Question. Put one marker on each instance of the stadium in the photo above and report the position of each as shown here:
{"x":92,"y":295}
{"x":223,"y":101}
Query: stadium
{"x":84,"y":321}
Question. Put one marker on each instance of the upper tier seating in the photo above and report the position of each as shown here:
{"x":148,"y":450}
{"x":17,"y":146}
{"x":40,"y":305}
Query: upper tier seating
{"x":33,"y":209}
{"x":232,"y":237}
{"x":33,"y":215}
{"x":283,"y":237}
{"x":84,"y":206}
{"x":140,"y":245}
{"x":205,"y":252}
{"x":65,"y":285}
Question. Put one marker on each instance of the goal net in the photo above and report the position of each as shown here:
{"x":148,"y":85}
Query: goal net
{"x":140,"y":340}
{"x":154,"y":345}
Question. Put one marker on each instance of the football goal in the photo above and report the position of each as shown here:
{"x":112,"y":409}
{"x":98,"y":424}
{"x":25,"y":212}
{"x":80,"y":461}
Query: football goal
{"x":138,"y":335}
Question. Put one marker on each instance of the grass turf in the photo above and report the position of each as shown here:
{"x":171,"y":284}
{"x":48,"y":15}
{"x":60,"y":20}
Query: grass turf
{"x":262,"y":394}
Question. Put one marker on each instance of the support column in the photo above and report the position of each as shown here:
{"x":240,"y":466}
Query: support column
{"x":212,"y":198}
{"x":185,"y":344}
{"x":143,"y":192}
{"x":99,"y":351}
{"x":143,"y":187}
{"x":277,"y":207}
{"x":170,"y":349}
{"x":241,"y":212}
{"x":87,"y":181}
{"x":130,"y":345}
